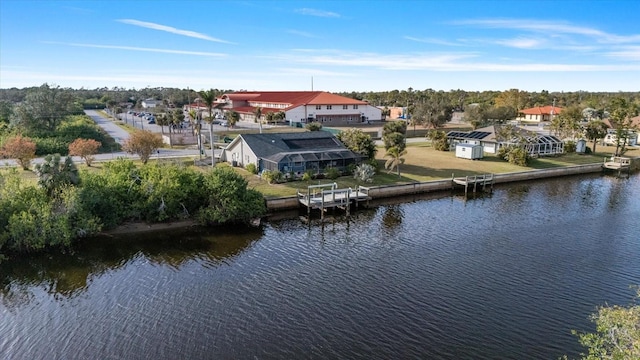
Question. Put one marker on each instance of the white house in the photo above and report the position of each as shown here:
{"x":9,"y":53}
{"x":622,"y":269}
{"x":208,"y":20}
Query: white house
{"x":150,"y":103}
{"x":302,"y":107}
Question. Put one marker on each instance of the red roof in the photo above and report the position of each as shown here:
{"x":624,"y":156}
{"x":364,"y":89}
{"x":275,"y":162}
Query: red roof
{"x":294,"y":98}
{"x":542,"y":110}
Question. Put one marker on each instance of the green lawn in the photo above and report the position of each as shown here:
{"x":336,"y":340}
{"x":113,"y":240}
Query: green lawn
{"x":423,"y":163}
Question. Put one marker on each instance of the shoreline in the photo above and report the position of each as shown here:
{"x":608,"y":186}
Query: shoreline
{"x":387,"y":191}
{"x":291,"y":203}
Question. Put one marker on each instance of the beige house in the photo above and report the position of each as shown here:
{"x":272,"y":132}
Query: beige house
{"x":538,"y":114}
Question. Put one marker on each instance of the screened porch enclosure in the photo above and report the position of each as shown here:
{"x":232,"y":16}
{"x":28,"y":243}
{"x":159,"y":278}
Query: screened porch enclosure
{"x":317,"y":162}
{"x":542,"y":145}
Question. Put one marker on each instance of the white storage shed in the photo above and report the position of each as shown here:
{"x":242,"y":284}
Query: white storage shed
{"x":469,"y":151}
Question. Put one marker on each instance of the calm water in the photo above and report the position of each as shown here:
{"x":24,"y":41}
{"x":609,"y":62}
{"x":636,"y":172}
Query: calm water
{"x":505,"y":276}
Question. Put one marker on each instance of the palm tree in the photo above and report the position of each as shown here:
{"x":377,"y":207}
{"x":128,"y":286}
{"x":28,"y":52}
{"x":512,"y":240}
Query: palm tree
{"x":258,"y":113}
{"x":192,"y":120}
{"x":395,"y":155}
{"x":233,"y":117}
{"x":209,"y":97}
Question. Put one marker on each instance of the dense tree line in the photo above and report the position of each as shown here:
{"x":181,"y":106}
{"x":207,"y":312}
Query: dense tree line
{"x":99,"y":97}
{"x":456,"y":99}
{"x":66,"y":204}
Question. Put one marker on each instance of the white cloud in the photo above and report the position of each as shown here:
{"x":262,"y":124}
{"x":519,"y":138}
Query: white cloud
{"x":134,"y":48}
{"x":626,"y":53}
{"x":303,"y":34}
{"x":436,"y":62}
{"x":433,"y":41}
{"x":522,"y":43}
{"x":551,"y":27}
{"x":316,"y":12}
{"x":172,"y":30}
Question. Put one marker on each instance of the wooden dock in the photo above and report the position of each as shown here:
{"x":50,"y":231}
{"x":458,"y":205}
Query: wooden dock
{"x":475,"y":181}
{"x":617,"y":163}
{"x":327,"y":196}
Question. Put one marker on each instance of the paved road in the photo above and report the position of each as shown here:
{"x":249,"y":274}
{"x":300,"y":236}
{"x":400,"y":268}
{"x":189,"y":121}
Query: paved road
{"x":116,"y":132}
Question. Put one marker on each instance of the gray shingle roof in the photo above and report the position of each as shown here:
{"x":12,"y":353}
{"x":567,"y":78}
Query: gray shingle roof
{"x":302,"y":146}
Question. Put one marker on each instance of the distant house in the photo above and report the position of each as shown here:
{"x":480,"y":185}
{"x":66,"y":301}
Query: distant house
{"x":538,"y":114}
{"x":491,"y":141}
{"x":302,"y":107}
{"x":150,"y":103}
{"x":633,"y":137}
{"x":291,"y":153}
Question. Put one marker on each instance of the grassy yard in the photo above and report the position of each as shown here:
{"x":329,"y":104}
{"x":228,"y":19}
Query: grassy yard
{"x":423,"y":163}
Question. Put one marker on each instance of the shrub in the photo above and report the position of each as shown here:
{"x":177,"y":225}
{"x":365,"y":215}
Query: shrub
{"x":252,"y":168}
{"x":54,"y":175}
{"x":307,"y":176}
{"x":514,"y":155}
{"x":439,"y":140}
{"x":273,"y":176}
{"x":570,"y":147}
{"x":51,"y":145}
{"x":364,"y":173}
{"x":85,"y":148}
{"x":332,"y":173}
{"x":518,"y":156}
{"x":229,"y":200}
{"x":313,"y":126}
{"x":143,"y":143}
{"x":20,"y":148}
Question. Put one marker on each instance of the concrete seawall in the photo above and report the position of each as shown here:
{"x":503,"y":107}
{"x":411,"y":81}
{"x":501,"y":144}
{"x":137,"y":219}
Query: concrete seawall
{"x":379,"y":192}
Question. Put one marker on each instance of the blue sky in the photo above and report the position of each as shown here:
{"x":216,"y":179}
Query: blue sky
{"x":343,"y":45}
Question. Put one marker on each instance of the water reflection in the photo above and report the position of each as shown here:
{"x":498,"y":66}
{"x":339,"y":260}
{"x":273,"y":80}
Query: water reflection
{"x":67,"y":275}
{"x":392,"y":217}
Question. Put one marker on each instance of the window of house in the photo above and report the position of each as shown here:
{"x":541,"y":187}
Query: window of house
{"x":355,"y":106}
{"x":345,"y":107}
{"x":328,"y":107}
{"x":318,"y":107}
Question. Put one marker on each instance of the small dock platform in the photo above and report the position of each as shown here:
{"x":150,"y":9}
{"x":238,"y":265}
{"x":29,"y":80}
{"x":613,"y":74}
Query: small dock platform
{"x":617,"y":163}
{"x":484,"y":181}
{"x":327,"y":196}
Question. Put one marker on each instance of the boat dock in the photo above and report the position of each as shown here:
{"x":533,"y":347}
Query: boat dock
{"x":473,"y":180}
{"x":327,"y":196}
{"x":617,"y":163}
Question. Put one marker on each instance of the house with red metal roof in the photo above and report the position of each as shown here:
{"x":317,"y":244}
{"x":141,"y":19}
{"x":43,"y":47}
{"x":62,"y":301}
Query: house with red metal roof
{"x":538,"y":114}
{"x":302,"y":107}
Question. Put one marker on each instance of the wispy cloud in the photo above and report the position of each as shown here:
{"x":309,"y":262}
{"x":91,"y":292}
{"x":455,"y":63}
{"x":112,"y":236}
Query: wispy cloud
{"x":303,"y":34}
{"x":437,"y":62}
{"x":551,"y":27}
{"x":313,"y":72}
{"x":134,"y":48}
{"x":433,"y":41}
{"x":172,"y":30}
{"x":522,"y":43}
{"x":626,"y":53}
{"x":316,"y":12}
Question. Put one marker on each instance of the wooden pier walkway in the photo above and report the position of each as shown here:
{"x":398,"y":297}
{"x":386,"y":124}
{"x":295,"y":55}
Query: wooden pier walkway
{"x":326,"y":196}
{"x":617,"y":163}
{"x":475,"y":180}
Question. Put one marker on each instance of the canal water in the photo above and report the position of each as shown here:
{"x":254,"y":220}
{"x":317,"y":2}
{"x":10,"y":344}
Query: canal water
{"x":503,"y":276}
